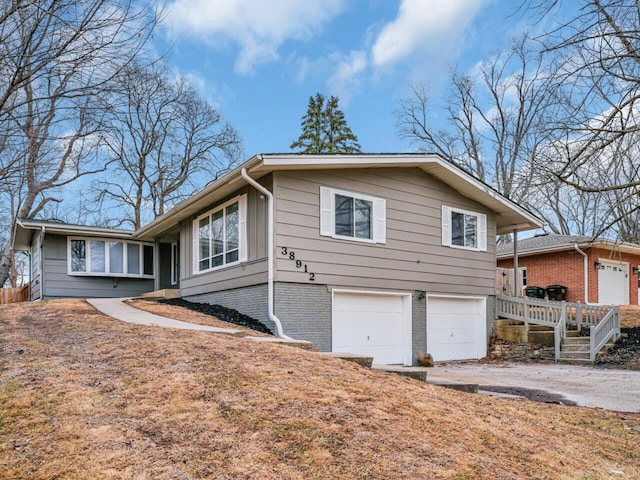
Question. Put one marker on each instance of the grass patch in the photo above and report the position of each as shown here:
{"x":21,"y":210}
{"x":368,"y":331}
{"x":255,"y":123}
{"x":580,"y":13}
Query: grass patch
{"x":92,"y":397}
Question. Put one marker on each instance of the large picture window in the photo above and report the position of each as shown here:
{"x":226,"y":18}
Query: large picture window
{"x":219,"y":236}
{"x":352,"y":216}
{"x":109,"y":257}
{"x":464,"y":229}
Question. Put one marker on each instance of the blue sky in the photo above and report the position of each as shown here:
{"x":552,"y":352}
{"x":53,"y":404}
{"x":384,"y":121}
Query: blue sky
{"x":259,"y":61}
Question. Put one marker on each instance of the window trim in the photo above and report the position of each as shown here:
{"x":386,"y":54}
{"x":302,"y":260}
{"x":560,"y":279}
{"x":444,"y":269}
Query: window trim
{"x":481,"y":229}
{"x":88,"y":273}
{"x":241,"y":200}
{"x":328,"y":213}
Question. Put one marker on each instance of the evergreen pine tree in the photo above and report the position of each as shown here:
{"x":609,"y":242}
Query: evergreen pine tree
{"x":325,"y":129}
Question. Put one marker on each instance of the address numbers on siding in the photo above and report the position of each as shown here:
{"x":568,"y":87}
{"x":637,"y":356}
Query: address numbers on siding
{"x":291,"y":255}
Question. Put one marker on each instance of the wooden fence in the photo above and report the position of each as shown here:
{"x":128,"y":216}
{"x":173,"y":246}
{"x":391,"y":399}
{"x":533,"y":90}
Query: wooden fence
{"x":14,"y":295}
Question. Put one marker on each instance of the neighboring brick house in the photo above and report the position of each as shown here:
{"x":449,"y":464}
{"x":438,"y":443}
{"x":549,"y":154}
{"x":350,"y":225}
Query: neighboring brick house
{"x":608,"y":268}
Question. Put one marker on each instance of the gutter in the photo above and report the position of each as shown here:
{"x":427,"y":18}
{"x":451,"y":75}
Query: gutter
{"x":270,"y":276}
{"x":586,"y":272}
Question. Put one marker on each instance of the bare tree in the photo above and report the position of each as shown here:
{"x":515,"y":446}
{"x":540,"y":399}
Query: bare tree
{"x":597,"y":131}
{"x":496,"y":119}
{"x":56,"y":58}
{"x":166,"y":141}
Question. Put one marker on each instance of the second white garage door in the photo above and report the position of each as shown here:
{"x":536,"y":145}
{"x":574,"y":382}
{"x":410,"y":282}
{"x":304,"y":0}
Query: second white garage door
{"x":456,"y":328}
{"x":373,"y":324}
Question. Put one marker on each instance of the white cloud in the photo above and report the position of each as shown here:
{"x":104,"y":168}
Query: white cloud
{"x":258,"y":27}
{"x":423,"y":24}
{"x":346,"y":75}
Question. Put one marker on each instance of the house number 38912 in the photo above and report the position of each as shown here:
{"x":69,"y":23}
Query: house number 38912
{"x":291,"y":255}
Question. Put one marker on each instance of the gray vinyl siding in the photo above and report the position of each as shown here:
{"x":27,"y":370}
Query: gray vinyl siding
{"x":412,"y":258}
{"x":58,"y":283}
{"x":36,"y":264}
{"x":252,"y":272}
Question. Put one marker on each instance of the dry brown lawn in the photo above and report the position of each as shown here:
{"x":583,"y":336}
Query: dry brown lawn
{"x":629,"y":316}
{"x":83,"y":396}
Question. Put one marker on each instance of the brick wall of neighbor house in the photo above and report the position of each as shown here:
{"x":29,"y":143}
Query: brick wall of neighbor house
{"x":251,"y":301}
{"x":567,"y":268}
{"x":558,"y":268}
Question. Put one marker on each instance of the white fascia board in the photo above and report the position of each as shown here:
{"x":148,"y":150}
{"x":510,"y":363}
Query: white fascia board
{"x":69,"y":229}
{"x":300,"y":162}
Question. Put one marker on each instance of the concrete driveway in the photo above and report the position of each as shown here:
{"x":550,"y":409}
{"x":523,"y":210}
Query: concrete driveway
{"x":610,"y":389}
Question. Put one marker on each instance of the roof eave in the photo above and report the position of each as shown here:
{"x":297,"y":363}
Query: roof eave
{"x":24,"y":229}
{"x":509,"y":216}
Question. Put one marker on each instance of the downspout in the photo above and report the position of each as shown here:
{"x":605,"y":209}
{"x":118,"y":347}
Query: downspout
{"x":270,"y":263}
{"x":516,"y":285}
{"x":41,"y":266}
{"x":586,"y":273}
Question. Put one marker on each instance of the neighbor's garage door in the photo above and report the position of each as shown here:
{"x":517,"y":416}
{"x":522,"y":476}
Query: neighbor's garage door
{"x":456,"y":328}
{"x":613,"y":283}
{"x":377,"y":325}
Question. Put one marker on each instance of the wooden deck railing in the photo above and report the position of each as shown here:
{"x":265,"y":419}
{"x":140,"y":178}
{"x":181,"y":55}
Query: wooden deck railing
{"x":603,"y":321}
{"x":14,"y":295}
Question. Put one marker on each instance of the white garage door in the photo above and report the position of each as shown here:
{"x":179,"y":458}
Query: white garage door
{"x":377,"y":325}
{"x":613,"y":283}
{"x":456,"y":328}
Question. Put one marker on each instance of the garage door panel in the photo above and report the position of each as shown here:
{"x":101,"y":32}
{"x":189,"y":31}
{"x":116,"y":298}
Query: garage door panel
{"x":456,"y":328}
{"x":368,"y":334}
{"x":445,"y":305}
{"x":370,"y":303}
{"x":457,"y":321}
{"x":460,"y":335}
{"x":613,"y":286}
{"x":370,"y":324}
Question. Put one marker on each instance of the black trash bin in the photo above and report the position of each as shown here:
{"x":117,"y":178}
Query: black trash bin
{"x":534,"y":292}
{"x":557,"y":292}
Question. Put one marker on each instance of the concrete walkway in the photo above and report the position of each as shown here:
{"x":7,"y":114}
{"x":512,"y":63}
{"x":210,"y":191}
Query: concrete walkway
{"x":116,"y":308}
{"x":610,"y":389}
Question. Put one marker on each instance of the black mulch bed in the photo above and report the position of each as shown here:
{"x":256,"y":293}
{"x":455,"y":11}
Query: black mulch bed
{"x":221,"y":313}
{"x":625,"y":353}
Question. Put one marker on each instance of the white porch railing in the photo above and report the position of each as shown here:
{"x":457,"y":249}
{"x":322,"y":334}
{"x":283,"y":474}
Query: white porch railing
{"x":603,"y":321}
{"x":600,"y":334}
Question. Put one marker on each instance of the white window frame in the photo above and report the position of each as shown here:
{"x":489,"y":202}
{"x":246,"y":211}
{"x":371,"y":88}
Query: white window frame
{"x":328,"y":215}
{"x":241,"y":200}
{"x":481,"y":228}
{"x":107,"y":273}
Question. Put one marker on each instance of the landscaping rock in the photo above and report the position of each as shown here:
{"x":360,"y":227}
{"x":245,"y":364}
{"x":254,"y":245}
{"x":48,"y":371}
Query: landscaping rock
{"x":221,"y":313}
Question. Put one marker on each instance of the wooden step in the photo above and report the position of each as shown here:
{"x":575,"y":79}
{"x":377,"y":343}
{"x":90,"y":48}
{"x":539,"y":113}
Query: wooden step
{"x":574,"y":355}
